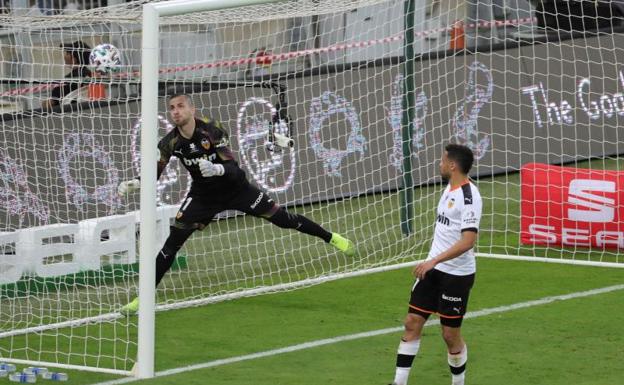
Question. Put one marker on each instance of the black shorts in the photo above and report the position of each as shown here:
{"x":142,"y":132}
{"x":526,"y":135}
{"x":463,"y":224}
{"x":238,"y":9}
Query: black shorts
{"x":197,"y":210}
{"x":444,"y":294}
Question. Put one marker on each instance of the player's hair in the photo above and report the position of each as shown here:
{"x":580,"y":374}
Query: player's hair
{"x":188,"y":98}
{"x":79,"y":50}
{"x":460,"y":154}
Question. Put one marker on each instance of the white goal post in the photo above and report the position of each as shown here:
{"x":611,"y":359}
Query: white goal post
{"x":150,"y":64}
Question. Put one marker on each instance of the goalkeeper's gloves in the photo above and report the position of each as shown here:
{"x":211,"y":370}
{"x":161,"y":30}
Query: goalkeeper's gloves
{"x":128,"y":187}
{"x":208,"y":169}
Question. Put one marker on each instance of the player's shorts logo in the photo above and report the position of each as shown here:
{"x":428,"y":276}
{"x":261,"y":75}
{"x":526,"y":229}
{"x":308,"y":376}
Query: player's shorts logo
{"x":179,"y":215}
{"x":451,"y":299}
{"x":257,"y":201}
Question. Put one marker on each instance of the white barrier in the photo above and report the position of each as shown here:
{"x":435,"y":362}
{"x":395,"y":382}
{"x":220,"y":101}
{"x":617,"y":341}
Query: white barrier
{"x":49,"y":251}
{"x":10,"y":264}
{"x":109,"y":236}
{"x":62,"y":249}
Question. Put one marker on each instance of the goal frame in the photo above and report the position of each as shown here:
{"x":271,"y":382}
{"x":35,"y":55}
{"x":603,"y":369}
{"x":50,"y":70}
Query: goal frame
{"x":150,"y":61}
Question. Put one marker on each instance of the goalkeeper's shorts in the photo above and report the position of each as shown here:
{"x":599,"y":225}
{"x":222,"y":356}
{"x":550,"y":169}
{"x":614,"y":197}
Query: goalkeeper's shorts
{"x":197,"y":210}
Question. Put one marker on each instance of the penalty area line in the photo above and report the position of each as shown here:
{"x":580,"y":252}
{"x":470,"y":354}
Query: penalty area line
{"x":372,"y":333}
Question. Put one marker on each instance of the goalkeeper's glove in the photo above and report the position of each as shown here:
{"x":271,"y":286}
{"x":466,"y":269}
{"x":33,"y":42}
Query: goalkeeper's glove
{"x":128,"y":187}
{"x":208,"y":169}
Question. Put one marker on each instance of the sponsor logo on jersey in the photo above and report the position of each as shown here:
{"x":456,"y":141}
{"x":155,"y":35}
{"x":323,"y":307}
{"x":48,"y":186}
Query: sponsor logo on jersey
{"x":190,"y":162}
{"x":205,"y":142}
{"x":443,"y":219}
{"x":451,"y":299}
{"x":195,"y":161}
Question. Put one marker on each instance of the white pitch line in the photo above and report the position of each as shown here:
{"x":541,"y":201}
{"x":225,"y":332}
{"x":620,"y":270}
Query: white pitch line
{"x":372,"y":333}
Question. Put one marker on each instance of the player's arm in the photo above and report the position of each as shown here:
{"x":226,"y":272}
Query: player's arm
{"x":227,"y":165}
{"x":225,"y":154}
{"x":465,"y":243}
{"x":132,"y":185}
{"x":162,"y":163}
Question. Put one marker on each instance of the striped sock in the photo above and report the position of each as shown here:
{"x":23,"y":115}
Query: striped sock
{"x":457,"y":364}
{"x":405,"y":357}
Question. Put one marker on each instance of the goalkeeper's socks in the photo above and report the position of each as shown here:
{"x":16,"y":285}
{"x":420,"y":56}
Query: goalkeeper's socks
{"x":457,"y":364}
{"x":286,"y":220}
{"x":342,"y":244}
{"x":405,"y":357}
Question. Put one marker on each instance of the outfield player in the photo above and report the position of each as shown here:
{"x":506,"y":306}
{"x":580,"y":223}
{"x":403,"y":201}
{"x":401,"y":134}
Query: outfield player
{"x":444,"y":280}
{"x":218,"y":184}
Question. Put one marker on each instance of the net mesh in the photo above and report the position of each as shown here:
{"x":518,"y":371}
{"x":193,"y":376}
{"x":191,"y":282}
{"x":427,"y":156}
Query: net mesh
{"x":328,"y":74}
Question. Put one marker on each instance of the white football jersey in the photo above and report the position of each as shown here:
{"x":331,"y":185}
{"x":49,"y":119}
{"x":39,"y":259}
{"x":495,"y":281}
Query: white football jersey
{"x":459,"y":210}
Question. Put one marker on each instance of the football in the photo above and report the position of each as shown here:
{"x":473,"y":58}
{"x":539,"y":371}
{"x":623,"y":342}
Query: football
{"x":105,"y":59}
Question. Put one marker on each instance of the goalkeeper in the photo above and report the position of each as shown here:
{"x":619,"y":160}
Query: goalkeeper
{"x":218,"y":184}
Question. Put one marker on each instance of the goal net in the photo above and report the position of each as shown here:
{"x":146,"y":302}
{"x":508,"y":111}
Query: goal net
{"x":368,"y":96}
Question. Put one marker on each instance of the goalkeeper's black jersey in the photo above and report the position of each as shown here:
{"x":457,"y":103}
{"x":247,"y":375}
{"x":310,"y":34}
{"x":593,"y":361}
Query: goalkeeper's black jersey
{"x":210,"y":141}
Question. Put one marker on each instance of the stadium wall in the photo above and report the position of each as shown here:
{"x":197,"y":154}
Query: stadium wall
{"x":550,"y":103}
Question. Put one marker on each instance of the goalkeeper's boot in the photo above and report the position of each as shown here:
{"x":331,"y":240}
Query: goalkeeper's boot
{"x":130,"y":309}
{"x":342,"y":244}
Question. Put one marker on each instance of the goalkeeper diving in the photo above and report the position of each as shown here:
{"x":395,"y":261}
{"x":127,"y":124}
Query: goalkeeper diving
{"x":218,"y":184}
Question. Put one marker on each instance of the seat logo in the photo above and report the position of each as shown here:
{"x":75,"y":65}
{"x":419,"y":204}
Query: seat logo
{"x":589,"y":196}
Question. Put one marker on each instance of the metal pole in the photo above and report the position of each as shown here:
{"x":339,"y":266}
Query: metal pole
{"x":407,"y":183}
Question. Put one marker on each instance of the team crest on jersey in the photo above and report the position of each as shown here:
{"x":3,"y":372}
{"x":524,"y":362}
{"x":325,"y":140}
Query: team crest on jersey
{"x":205,"y":143}
{"x":451,"y":203}
{"x":179,"y":215}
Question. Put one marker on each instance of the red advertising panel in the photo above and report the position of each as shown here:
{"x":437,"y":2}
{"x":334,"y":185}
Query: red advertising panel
{"x":568,"y":206}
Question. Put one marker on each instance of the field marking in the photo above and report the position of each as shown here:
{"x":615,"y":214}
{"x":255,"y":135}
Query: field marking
{"x":372,"y":333}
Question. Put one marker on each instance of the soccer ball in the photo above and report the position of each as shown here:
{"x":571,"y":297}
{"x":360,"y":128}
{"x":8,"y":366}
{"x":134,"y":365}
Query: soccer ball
{"x":105,"y":59}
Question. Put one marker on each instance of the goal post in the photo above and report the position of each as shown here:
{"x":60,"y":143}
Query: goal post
{"x":150,"y":64}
